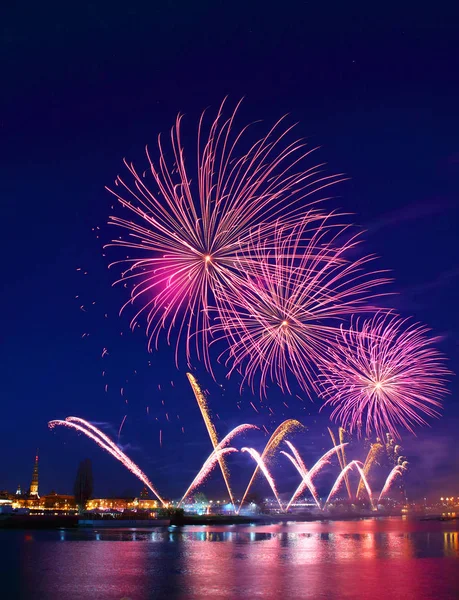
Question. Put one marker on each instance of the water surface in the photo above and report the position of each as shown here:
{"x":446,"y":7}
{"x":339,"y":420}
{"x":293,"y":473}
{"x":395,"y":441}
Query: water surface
{"x":365,"y":559}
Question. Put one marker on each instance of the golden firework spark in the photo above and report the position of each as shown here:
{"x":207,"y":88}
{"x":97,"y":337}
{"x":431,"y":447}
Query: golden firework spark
{"x":288,"y":426}
{"x":202,"y":403}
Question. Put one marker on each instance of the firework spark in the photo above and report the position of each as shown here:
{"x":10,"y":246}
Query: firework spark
{"x":384,"y":374}
{"x":187,"y":230}
{"x":206,"y":470}
{"x":396,"y":471}
{"x":283,"y":317}
{"x":341,"y":456}
{"x":358,"y":465}
{"x":212,"y":459}
{"x":374,"y":453}
{"x":286,"y":427}
{"x":315,"y":470}
{"x":298,"y":458}
{"x":107,"y":444}
{"x":298,"y":463}
{"x":121,"y":427}
{"x":261,"y":464}
{"x":202,"y":403}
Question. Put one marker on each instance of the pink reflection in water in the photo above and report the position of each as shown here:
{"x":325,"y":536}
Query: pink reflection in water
{"x":358,"y":560}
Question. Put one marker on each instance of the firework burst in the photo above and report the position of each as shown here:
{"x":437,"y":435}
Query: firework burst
{"x":185,"y":230}
{"x":383,"y":374}
{"x":284,"y":315}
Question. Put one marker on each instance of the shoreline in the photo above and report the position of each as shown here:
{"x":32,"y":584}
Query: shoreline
{"x":75,"y":522}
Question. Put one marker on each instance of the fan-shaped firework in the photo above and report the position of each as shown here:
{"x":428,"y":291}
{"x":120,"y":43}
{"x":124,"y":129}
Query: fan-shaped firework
{"x":185,"y":233}
{"x":384,"y":374}
{"x":284,"y":315}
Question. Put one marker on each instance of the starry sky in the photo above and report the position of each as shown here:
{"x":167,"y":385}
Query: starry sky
{"x":83,"y":87}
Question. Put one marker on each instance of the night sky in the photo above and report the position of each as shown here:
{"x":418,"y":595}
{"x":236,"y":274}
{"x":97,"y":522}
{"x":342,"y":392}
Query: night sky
{"x":83,"y":87}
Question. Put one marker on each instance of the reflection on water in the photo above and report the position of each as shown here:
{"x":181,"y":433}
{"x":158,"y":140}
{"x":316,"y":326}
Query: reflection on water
{"x":356,"y":559}
{"x":451,"y":543}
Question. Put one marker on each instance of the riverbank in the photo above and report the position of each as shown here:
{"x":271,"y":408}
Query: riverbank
{"x":75,"y":521}
{"x":214,"y":520}
{"x":39,"y":522}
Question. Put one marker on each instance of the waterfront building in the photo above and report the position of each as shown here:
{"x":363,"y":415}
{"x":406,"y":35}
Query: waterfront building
{"x":121,"y":504}
{"x":61,"y":502}
{"x":48,"y":503}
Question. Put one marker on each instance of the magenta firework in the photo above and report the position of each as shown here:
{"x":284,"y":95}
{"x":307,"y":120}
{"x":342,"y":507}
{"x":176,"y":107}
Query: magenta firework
{"x":283,"y":317}
{"x":186,"y":226}
{"x":384,"y":374}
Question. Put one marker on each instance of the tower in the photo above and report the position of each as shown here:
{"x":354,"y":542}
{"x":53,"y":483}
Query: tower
{"x":34,"y":484}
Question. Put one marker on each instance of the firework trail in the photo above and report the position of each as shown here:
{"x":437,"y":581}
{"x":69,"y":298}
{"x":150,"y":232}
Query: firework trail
{"x":338,"y":481}
{"x":264,"y":469}
{"x":367,"y":486}
{"x":121,"y":427}
{"x":187,"y":230}
{"x":213,"y":458}
{"x":300,"y":467}
{"x":341,"y":434}
{"x":298,"y":458}
{"x":372,"y":456}
{"x":206,"y":469}
{"x":341,"y":456}
{"x":107,"y":444}
{"x":307,"y":481}
{"x":294,"y":462}
{"x":286,"y":427}
{"x":202,"y":403}
{"x":341,"y":476}
{"x":282,"y":318}
{"x":396,"y":471}
{"x":383,"y":374}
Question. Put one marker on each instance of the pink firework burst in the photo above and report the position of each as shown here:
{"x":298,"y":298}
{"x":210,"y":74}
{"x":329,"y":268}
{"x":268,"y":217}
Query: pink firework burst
{"x":382,"y":374}
{"x":284,"y":315}
{"x":187,"y":224}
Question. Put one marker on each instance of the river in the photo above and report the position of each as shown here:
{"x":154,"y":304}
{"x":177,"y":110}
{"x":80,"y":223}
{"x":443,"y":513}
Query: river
{"x":391,"y":558}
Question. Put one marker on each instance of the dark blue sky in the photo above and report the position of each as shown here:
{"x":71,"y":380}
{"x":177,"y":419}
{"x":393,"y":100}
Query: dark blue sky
{"x":82,"y":88}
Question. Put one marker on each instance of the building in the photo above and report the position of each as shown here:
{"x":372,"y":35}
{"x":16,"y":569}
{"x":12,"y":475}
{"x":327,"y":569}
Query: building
{"x":33,"y":492}
{"x":60,"y":502}
{"x":52,"y":502}
{"x":6,"y":506}
{"x":122,"y":504}
{"x":32,"y":502}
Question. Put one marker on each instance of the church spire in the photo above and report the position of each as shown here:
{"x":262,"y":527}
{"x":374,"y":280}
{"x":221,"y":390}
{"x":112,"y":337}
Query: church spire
{"x":34,"y":484}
